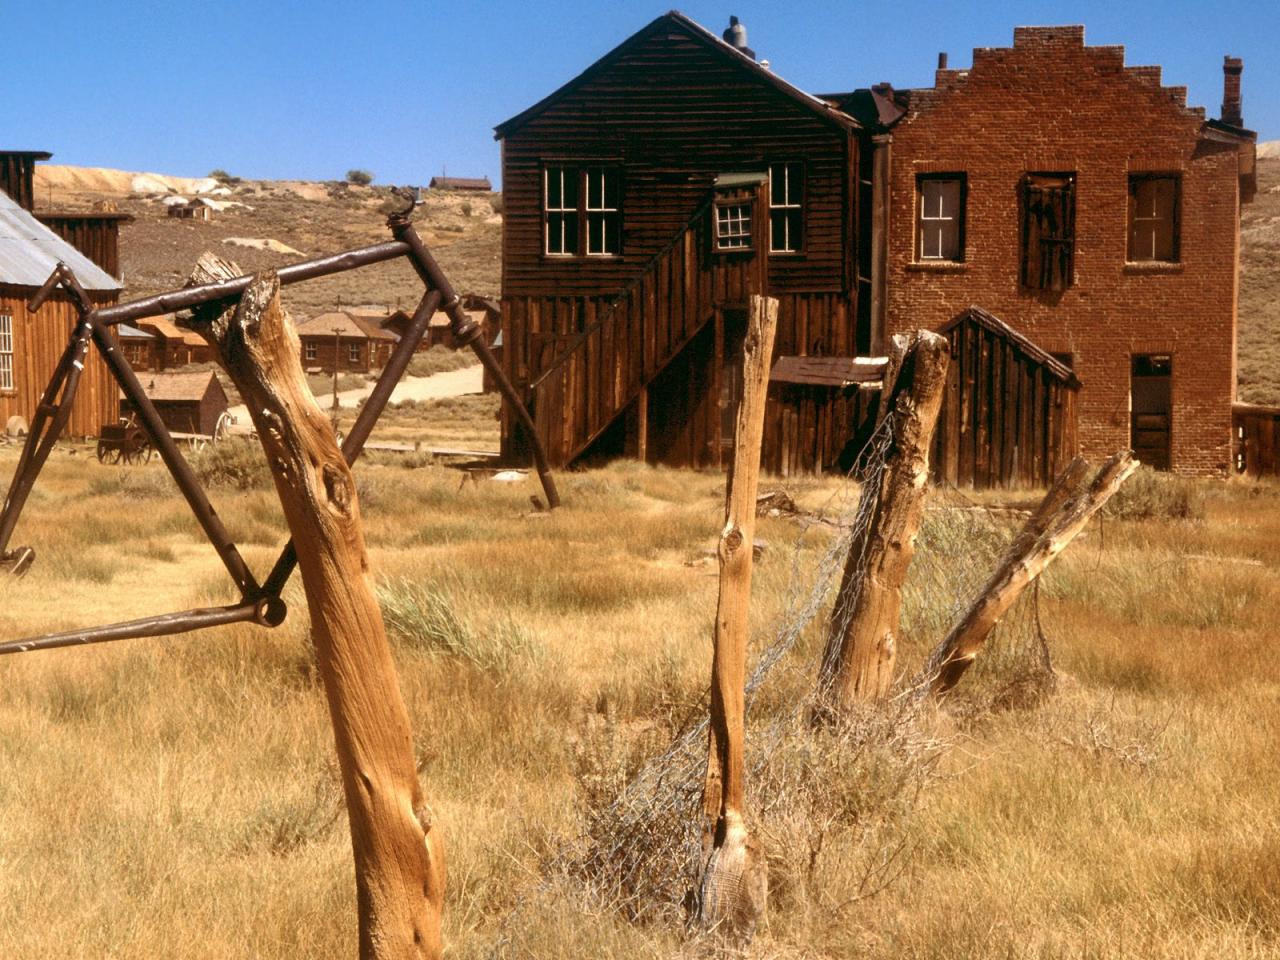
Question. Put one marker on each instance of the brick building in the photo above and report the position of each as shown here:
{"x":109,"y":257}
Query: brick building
{"x":1086,"y":205}
{"x":1077,"y":203}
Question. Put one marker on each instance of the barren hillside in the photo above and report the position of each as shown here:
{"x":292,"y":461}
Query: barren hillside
{"x":1259,"y":346}
{"x":157,"y":251}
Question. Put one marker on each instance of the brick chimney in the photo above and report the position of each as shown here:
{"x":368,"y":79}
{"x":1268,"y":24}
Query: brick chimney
{"x":1232,"y":67}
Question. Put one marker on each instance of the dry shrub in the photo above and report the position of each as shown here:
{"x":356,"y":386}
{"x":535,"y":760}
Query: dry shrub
{"x":236,"y":463}
{"x":440,"y":359}
{"x":1154,"y":495}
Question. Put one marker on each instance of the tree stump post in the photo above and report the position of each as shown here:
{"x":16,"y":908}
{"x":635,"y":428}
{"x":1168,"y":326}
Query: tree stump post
{"x":862,"y":639}
{"x":399,"y":855}
{"x":732,"y":898}
{"x":1064,"y":512}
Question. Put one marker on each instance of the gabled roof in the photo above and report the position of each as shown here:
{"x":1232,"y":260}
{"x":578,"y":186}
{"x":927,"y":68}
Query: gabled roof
{"x":704,"y":36}
{"x":997,"y":326}
{"x":29,"y":251}
{"x":165,"y":327}
{"x":342,"y":324}
{"x":179,"y":387}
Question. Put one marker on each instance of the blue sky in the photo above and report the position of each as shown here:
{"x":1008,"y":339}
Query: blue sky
{"x":406,"y":89}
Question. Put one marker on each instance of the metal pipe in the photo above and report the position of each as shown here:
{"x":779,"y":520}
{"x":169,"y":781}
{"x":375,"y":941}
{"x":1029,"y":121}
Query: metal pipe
{"x":468,"y":333}
{"x":369,"y":414}
{"x":266,"y":612}
{"x":207,"y":293}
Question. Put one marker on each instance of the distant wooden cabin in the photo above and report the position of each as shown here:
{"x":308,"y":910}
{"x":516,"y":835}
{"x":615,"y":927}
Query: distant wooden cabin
{"x":645,"y":201}
{"x":186,"y":402}
{"x":31,"y":344}
{"x":138,"y":347}
{"x":345,"y":340}
{"x":194,"y":209}
{"x":1009,"y":415}
{"x":174,"y":345}
{"x":472,"y":184}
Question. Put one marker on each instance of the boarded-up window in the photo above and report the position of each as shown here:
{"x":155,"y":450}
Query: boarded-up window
{"x":1048,"y":230}
{"x":786,"y":207}
{"x":604,"y":212}
{"x":733,"y":226}
{"x":6,"y":352}
{"x":560,"y":206}
{"x":940,"y":224}
{"x":1153,"y":216}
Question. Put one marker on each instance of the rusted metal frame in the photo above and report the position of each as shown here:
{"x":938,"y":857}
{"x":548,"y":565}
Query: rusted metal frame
{"x":163,"y":303}
{"x":264,"y":611}
{"x":50,"y":421}
{"x":354,"y":443}
{"x":466,"y":332}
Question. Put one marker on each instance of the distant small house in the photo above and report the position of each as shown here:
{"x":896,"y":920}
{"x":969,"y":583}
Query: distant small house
{"x":346,"y":340}
{"x":197,"y":209}
{"x":138,"y":347}
{"x":186,"y":402}
{"x":475,"y":184}
{"x":174,"y":346}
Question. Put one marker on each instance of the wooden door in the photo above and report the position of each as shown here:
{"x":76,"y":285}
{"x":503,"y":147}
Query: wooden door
{"x":1151,"y":409}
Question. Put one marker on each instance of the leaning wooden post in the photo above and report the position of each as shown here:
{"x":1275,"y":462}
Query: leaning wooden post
{"x":732,"y":897}
{"x":1064,"y":512}
{"x":862,"y":637}
{"x":399,"y":855}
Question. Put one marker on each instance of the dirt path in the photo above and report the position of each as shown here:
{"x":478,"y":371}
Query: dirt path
{"x":454,"y":383}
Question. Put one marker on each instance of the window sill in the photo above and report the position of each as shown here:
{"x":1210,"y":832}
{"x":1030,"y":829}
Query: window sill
{"x":937,"y":266}
{"x":580,"y":257}
{"x":1141,"y":267}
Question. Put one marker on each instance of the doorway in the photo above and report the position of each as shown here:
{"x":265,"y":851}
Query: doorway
{"x":1151,"y":409}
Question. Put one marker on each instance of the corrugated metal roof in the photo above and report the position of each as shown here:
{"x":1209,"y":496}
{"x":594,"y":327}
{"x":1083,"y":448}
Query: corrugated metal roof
{"x":124,"y":330}
{"x":29,"y":251}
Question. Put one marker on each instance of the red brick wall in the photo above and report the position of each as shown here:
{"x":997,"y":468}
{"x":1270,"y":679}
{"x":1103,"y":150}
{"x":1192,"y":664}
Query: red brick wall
{"x":1051,"y":104}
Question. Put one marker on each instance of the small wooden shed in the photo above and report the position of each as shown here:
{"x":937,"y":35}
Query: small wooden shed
{"x":1255,"y":431}
{"x":138,"y":347}
{"x":1009,"y":415}
{"x":187,"y":402}
{"x":474,"y":184}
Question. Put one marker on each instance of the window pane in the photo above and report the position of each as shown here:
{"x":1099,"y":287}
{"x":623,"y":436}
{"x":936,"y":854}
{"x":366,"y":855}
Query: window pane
{"x":6,"y":352}
{"x":612,"y":189}
{"x":941,"y":216}
{"x":595,"y":189}
{"x":570,"y":188}
{"x":554,"y":192}
{"x":733,"y":226}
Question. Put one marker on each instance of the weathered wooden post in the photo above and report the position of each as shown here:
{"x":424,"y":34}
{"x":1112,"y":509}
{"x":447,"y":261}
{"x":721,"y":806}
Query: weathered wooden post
{"x":1062,"y":514}
{"x":862,"y":638}
{"x":399,"y":855}
{"x":734,"y":882}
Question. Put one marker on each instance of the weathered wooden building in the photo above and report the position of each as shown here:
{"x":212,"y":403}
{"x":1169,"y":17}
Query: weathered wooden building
{"x":138,"y":347}
{"x":31,"y":344}
{"x":186,"y":402}
{"x":644,"y":202}
{"x":96,"y":234}
{"x":1075,"y":197}
{"x":175,"y":346}
{"x":472,"y":184}
{"x":348,"y":340}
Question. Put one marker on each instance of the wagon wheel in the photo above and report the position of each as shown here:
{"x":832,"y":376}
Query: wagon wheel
{"x":102,"y":451}
{"x":220,"y":429}
{"x":137,"y":448}
{"x":112,"y":455}
{"x":145,"y":451}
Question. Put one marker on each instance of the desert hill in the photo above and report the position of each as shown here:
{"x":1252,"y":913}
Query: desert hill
{"x":258,"y":222}
{"x":1259,"y":338}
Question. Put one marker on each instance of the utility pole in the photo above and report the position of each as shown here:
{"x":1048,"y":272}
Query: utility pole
{"x":337,"y":346}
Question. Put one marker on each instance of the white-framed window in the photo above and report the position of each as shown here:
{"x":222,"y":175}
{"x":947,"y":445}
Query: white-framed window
{"x":560,"y":210}
{"x":604,"y":212}
{"x":310,"y":351}
{"x":6,"y":352}
{"x":940,"y":226}
{"x":786,"y":207}
{"x":733,"y":226}
{"x":353,"y":352}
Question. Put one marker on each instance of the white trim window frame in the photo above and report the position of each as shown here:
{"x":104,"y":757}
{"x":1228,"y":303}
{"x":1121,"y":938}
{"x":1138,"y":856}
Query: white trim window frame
{"x":560,"y":190}
{"x":603,"y":211}
{"x":786,"y":207}
{"x":311,"y":351}
{"x":733,"y":226}
{"x":353,"y":353}
{"x":941,"y":223}
{"x":6,"y":353}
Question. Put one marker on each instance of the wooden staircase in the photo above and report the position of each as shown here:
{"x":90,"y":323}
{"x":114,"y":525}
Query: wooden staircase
{"x":608,"y":367}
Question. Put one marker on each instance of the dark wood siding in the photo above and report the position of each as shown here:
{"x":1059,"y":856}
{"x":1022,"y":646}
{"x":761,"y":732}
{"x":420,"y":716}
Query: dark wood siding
{"x":97,"y":236}
{"x":674,"y":114}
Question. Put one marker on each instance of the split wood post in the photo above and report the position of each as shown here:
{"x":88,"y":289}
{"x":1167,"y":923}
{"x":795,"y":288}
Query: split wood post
{"x":1067,"y":508}
{"x":732,"y":898}
{"x":862,"y":637}
{"x":399,"y":855}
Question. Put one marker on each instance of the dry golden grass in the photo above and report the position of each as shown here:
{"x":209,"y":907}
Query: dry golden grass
{"x":179,"y":798}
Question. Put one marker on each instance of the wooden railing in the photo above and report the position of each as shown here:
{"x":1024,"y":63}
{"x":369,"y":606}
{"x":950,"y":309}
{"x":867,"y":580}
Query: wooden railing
{"x":605,"y":367}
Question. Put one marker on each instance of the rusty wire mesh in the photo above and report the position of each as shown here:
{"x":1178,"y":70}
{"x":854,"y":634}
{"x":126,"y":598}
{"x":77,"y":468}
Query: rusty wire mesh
{"x":642,"y":852}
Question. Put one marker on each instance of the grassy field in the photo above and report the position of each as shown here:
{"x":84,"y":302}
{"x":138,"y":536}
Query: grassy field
{"x":180,"y":798}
